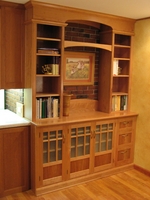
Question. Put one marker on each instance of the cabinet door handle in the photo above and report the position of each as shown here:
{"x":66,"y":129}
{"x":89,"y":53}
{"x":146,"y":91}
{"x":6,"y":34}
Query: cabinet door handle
{"x":123,"y":152}
{"x":125,"y":135}
{"x":126,"y":123}
{"x":94,"y":134}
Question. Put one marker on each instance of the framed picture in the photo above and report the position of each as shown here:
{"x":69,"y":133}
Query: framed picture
{"x":79,"y":68}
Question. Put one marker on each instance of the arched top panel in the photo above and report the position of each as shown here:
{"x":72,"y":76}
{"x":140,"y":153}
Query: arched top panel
{"x":63,"y":14}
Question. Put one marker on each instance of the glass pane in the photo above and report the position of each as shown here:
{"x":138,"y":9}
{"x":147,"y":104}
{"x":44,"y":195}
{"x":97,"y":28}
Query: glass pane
{"x":52,"y":156}
{"x":98,"y":128}
{"x":97,"y":138}
{"x":103,"y":146}
{"x":88,"y":130}
{"x":45,"y":152}
{"x":88,"y":139}
{"x":59,"y":144}
{"x":73,"y":152}
{"x":104,"y":136}
{"x":97,"y":147}
{"x":80,"y":151}
{"x":45,"y":157}
{"x":45,"y":136}
{"x":73,"y":142}
{"x":73,"y":131}
{"x":45,"y":146}
{"x":59,"y":155}
{"x":111,"y":126}
{"x":80,"y":130}
{"x":109,"y":145}
{"x":52,"y":134}
{"x":53,"y":145}
{"x":110,"y":135}
{"x":60,"y":134}
{"x":81,"y":140}
{"x":104,"y":127}
{"x":87,"y":149}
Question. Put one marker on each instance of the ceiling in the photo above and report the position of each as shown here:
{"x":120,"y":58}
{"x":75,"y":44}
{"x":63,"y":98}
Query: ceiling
{"x":135,"y":9}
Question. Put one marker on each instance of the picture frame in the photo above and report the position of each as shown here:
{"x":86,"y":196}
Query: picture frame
{"x":78,"y":68}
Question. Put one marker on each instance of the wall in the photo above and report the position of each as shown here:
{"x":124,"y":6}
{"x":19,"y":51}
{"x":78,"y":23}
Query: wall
{"x":83,"y":33}
{"x":12,"y":96}
{"x":140,"y":98}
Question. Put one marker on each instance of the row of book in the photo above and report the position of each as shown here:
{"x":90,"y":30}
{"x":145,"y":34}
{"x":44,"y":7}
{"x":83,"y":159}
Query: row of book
{"x":47,"y":107}
{"x":119,"y":102}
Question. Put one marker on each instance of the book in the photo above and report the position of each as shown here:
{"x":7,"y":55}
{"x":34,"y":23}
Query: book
{"x":49,"y":107}
{"x":40,"y":107}
{"x":55,"y":107}
{"x":116,"y":103}
{"x":48,"y":50}
{"x":123,"y":102}
{"x":44,"y":107}
{"x":113,"y":103}
{"x":115,"y":67}
{"x":37,"y":108}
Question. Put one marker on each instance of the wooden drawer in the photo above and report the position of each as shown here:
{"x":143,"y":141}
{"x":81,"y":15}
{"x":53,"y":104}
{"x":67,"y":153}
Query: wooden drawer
{"x":124,"y":156}
{"x":126,"y":123}
{"x":125,"y":138}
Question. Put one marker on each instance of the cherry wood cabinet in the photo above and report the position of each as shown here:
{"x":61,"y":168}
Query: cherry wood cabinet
{"x":69,"y":153}
{"x":11,"y":45}
{"x":14,"y":160}
{"x":91,"y":142}
{"x":125,"y":141}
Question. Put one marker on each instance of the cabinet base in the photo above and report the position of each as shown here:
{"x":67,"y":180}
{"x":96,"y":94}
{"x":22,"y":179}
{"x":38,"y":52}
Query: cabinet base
{"x":81,"y":180}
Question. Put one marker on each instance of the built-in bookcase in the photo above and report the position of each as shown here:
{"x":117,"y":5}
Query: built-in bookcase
{"x":121,"y":72}
{"x":48,"y":71}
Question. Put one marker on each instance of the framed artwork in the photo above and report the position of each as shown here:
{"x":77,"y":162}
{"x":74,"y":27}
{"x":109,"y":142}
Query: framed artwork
{"x":78,"y":68}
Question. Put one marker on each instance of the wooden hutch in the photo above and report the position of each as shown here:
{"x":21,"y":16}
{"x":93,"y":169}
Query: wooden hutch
{"x":97,"y":138}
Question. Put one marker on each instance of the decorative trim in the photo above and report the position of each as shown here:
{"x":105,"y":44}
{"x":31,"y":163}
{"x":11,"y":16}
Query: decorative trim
{"x":142,"y":170}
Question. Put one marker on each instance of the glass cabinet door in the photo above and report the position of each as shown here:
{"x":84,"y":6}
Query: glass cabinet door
{"x":80,"y":145}
{"x":52,"y":140}
{"x":52,"y":146}
{"x":80,"y":141}
{"x":103,"y":145}
{"x":103,"y":137}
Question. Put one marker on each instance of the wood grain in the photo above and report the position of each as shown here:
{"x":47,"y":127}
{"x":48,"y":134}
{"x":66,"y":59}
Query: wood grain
{"x":128,"y":185}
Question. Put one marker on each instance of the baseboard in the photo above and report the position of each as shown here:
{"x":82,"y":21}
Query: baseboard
{"x":142,"y":170}
{"x":80,"y":180}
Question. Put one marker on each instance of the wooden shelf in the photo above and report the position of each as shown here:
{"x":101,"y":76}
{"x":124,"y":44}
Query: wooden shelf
{"x":120,"y":76}
{"x":119,"y":93}
{"x":122,"y":46}
{"x":48,"y":39}
{"x":46,"y":95}
{"x":47,"y":75}
{"x":86,"y":44}
{"x":47,"y":54}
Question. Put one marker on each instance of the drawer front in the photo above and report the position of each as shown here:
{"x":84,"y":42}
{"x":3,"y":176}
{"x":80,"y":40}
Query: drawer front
{"x":126,"y":123}
{"x":125,"y":138}
{"x":124,"y":156}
